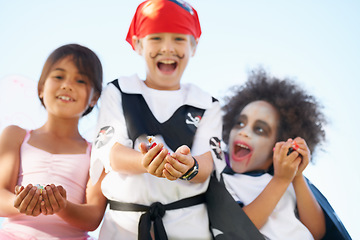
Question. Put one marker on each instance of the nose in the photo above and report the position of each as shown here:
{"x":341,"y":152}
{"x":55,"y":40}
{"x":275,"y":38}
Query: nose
{"x":167,"y":46}
{"x":245,"y":131}
{"x":67,"y":84}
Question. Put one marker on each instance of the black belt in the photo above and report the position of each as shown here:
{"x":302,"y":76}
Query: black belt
{"x":154,"y":213}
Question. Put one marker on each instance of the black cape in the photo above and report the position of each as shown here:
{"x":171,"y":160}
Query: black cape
{"x":335,"y":230}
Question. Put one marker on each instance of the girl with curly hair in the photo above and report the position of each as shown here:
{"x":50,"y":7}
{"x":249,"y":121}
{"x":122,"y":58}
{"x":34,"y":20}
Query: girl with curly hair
{"x":271,"y":127}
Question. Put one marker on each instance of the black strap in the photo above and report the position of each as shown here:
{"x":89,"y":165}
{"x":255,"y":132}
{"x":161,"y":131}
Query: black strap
{"x":178,"y":130}
{"x":154,"y":213}
{"x":227,"y":220}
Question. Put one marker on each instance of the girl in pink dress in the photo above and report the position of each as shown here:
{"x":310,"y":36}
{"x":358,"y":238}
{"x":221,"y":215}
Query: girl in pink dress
{"x":45,"y":190}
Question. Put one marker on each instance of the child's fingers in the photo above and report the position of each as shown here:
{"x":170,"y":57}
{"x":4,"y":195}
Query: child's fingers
{"x":47,"y":204}
{"x":157,"y":164}
{"x":23,"y":207}
{"x":285,"y":148}
{"x":284,"y":164}
{"x":304,"y":152}
{"x":175,"y":167}
{"x":185,"y":150}
{"x":303,"y":148}
{"x":43,"y":207}
{"x":18,"y":189}
{"x":32,"y":203}
{"x":299,"y":145}
{"x":20,"y":196}
{"x":183,"y":163}
{"x":154,"y":158}
{"x":61,"y":201}
{"x":168,"y":175}
{"x":170,"y":170}
{"x":52,"y":199}
{"x":37,"y":209}
{"x":143,"y":148}
{"x":62,"y":191}
{"x":160,"y":168}
{"x":151,"y":154}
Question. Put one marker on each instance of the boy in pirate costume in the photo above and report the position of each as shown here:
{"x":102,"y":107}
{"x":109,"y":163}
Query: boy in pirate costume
{"x":159,"y":191}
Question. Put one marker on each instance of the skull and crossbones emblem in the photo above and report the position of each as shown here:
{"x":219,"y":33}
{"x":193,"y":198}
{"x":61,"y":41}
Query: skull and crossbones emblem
{"x":193,"y":120}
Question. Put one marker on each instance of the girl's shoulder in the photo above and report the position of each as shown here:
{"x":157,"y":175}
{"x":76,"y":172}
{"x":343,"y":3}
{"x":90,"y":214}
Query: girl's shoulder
{"x":14,"y":129}
{"x":13,"y":134}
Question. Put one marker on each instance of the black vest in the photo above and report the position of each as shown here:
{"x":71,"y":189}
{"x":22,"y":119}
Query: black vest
{"x":179,"y":130}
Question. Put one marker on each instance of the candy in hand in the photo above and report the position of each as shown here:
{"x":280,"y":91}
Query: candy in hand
{"x":40,"y":187}
{"x":151,"y":140}
{"x":294,"y":147}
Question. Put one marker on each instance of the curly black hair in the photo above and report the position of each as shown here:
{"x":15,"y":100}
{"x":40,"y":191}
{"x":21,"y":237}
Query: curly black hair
{"x":300,"y":113}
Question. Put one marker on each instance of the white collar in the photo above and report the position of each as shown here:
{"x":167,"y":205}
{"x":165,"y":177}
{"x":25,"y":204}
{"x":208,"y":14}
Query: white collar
{"x":195,"y":96}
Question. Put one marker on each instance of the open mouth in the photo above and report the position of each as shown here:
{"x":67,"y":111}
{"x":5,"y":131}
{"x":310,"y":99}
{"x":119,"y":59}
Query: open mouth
{"x":167,"y":65}
{"x":65,"y":98}
{"x":241,"y":151}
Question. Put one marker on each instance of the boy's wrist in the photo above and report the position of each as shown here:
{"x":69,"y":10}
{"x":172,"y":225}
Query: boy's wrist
{"x":192,"y":172}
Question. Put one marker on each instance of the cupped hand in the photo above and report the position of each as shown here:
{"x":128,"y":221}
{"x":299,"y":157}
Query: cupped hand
{"x":178,"y":163}
{"x":54,"y":199}
{"x":27,"y":200}
{"x":153,"y":160}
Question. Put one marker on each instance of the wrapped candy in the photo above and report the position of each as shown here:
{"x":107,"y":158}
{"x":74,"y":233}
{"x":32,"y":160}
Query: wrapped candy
{"x":40,"y":187}
{"x":151,"y":140}
{"x":294,"y":147}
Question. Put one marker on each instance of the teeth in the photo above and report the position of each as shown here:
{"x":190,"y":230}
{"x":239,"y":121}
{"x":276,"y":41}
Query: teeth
{"x":167,"y":61}
{"x":64,"y":98}
{"x":242,"y":145}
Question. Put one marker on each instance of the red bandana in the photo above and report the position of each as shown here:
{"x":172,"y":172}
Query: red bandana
{"x":157,"y":16}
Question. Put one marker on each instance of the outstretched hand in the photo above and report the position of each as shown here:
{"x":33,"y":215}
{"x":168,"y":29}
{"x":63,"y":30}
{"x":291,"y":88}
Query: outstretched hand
{"x":54,"y":199}
{"x":178,"y":163}
{"x":159,"y":163}
{"x":27,"y":200}
{"x":153,"y":159}
{"x":32,"y":201}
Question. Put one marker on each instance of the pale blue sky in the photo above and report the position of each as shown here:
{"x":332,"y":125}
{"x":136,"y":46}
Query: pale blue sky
{"x":316,"y":42}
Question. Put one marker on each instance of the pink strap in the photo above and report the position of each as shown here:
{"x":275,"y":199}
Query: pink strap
{"x":27,"y":136}
{"x":88,"y":149}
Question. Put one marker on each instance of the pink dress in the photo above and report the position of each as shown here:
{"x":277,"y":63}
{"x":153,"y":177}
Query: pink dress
{"x":40,"y":167}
